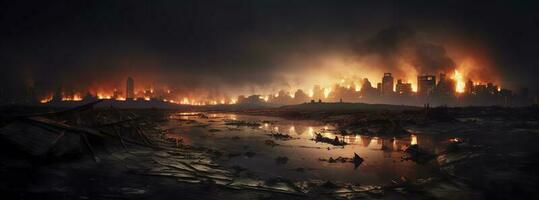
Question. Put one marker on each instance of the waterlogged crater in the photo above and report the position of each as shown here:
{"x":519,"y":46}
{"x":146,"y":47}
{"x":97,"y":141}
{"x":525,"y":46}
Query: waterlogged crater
{"x":269,"y":147}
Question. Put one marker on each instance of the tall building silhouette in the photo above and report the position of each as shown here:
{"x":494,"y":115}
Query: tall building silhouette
{"x":425,"y":85}
{"x":387,"y":84}
{"x":403,"y":89}
{"x":130,"y":89}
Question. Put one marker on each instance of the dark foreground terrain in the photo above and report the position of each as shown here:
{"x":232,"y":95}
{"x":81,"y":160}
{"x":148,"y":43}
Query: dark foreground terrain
{"x":107,"y":153}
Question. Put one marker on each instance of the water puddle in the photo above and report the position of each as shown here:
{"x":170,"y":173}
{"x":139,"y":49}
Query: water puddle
{"x":270,"y":147}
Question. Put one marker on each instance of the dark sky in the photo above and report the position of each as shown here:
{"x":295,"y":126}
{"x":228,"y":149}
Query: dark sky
{"x":228,"y":44}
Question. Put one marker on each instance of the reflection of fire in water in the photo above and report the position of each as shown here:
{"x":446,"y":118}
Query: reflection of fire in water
{"x":375,"y":143}
{"x":352,"y":139}
{"x":292,"y":129}
{"x":413,"y":139}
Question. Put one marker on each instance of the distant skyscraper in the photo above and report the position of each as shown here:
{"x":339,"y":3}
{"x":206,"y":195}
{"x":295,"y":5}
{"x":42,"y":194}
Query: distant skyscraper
{"x":367,"y":90}
{"x":387,"y":84}
{"x":403,"y":89}
{"x":425,"y":84}
{"x":130,"y":90}
{"x":445,"y":87}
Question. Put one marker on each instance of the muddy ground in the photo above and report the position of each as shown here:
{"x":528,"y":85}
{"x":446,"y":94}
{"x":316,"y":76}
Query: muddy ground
{"x":493,"y":154}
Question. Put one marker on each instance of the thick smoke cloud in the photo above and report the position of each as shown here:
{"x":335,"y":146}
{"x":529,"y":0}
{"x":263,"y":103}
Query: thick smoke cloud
{"x":396,"y":46}
{"x":247,"y":45}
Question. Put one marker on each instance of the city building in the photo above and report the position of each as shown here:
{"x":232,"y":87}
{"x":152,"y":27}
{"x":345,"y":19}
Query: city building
{"x":426,"y":85}
{"x":130,"y":89}
{"x":403,"y":89}
{"x":387,"y":85}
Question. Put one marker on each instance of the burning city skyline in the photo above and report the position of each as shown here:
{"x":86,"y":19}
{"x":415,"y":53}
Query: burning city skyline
{"x":351,"y":89}
{"x":269,"y":99}
{"x":206,"y":53}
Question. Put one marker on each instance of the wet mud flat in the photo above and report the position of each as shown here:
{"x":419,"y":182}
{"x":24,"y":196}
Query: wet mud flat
{"x":85,"y":153}
{"x":157,"y":154}
{"x":489,"y":152}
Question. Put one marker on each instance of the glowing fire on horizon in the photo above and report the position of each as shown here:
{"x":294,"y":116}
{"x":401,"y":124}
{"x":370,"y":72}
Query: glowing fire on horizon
{"x":46,"y":99}
{"x":322,"y":87}
{"x":75,"y":97}
{"x":327,"y":91}
{"x":459,"y":81}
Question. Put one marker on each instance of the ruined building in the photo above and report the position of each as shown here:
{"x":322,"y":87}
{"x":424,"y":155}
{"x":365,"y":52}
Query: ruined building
{"x":425,"y":85}
{"x":387,"y":85}
{"x":403,"y":89}
{"x":130,"y":89}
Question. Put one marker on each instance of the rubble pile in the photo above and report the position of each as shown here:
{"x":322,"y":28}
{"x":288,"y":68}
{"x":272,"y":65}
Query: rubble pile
{"x":280,"y":136}
{"x":335,"y":142}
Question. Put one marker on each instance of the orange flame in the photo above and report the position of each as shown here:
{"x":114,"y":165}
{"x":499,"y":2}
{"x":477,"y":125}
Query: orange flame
{"x":74,"y":97}
{"x":46,"y":99}
{"x":459,"y":81}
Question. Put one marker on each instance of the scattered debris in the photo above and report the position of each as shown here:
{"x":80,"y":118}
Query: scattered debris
{"x":336,"y":160}
{"x":416,"y":154}
{"x":270,"y":143}
{"x":357,"y":160}
{"x":39,"y":137}
{"x":241,"y":123}
{"x":280,"y":136}
{"x":335,"y":142}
